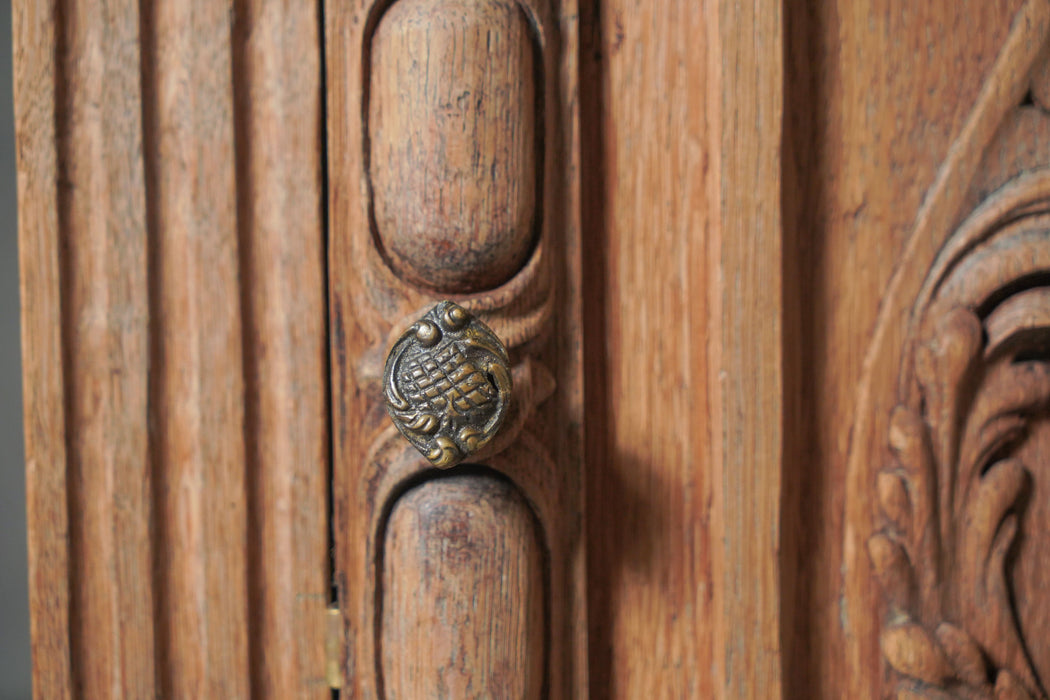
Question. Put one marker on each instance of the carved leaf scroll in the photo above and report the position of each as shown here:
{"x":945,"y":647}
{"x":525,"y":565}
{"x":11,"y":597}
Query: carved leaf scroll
{"x":953,"y":494}
{"x":944,"y":549}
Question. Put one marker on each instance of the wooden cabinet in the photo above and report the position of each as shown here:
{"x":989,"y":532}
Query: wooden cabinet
{"x":771,"y":284}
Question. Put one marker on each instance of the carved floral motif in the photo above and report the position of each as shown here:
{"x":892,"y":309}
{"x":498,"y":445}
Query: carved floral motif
{"x":953,"y":496}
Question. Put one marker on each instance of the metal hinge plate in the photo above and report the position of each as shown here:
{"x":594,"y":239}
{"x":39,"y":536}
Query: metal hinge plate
{"x":334,"y":648}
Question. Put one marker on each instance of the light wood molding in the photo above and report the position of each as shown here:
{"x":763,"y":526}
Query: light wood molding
{"x":477,"y":543}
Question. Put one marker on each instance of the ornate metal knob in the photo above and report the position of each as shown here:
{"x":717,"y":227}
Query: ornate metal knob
{"x":447,"y":384}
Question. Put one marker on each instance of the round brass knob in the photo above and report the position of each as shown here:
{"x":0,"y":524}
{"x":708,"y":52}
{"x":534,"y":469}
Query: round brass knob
{"x":447,"y":384}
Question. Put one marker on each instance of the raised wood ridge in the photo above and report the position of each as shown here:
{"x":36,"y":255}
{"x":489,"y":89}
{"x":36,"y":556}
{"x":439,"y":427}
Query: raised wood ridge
{"x":174,"y":334}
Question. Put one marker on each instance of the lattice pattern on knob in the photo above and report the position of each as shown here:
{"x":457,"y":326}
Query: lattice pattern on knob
{"x":447,"y":384}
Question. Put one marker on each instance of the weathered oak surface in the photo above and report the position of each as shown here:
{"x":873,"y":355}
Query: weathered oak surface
{"x":773,"y":278}
{"x":174,"y":335}
{"x":463,"y":565}
{"x":681,"y":112}
{"x":454,"y":147}
{"x":891,"y":122}
{"x":458,"y":182}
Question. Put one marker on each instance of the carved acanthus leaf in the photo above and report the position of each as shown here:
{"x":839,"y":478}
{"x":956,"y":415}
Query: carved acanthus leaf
{"x":951,"y":498}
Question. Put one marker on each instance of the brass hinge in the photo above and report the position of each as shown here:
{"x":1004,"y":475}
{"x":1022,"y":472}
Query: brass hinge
{"x":334,"y":647}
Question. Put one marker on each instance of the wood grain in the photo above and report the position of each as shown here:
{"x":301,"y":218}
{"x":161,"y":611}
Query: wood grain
{"x":106,"y":343}
{"x":277,"y":64}
{"x":453,"y":141}
{"x":173,"y":290}
{"x":962,"y":428}
{"x":958,"y":537}
{"x":198,"y":376}
{"x":42,"y":370}
{"x":463,"y":566}
{"x":87,"y":305}
{"x":745,"y":373}
{"x":372,"y":303}
{"x":649,"y":479}
{"x":172,"y":264}
{"x":684,"y":460}
{"x":867,"y":127}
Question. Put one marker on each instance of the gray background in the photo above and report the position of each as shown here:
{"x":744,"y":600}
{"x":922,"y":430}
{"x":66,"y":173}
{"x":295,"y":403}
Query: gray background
{"x":14,"y":585}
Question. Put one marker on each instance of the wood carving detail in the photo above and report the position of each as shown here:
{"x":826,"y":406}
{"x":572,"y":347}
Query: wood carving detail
{"x":519,"y":311}
{"x":446,"y":540}
{"x":967,"y":462}
{"x":452,"y":134}
{"x":438,"y":211}
{"x":941,"y":586}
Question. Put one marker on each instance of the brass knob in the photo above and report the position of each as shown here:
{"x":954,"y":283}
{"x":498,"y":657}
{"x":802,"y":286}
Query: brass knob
{"x":447,"y":384}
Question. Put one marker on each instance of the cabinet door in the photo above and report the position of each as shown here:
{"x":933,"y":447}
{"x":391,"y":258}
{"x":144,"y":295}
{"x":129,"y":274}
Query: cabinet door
{"x":536,"y":348}
{"x":567,"y":174}
{"x":453,"y":175}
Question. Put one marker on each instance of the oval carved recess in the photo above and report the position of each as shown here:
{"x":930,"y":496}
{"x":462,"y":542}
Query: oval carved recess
{"x":463,"y":592}
{"x":453,"y":141}
{"x":961,"y":551}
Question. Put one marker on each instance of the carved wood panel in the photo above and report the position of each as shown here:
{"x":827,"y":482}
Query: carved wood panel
{"x":172,"y":258}
{"x":452,"y":175}
{"x":948,"y":465}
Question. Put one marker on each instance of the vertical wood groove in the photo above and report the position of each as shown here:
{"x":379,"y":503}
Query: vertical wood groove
{"x":277,"y":104}
{"x":104,"y":317}
{"x":36,"y":120}
{"x":198,"y":382}
{"x":174,"y":335}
